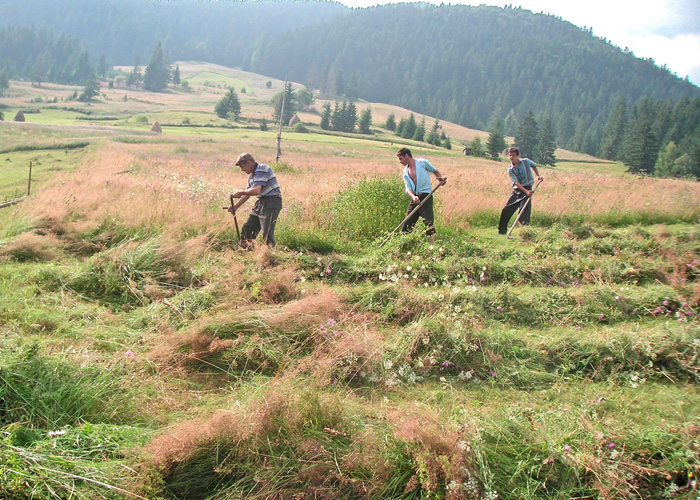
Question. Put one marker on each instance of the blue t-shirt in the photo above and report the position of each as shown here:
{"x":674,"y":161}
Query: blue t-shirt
{"x":423,"y":170}
{"x":522,"y":173}
{"x":264,"y":177}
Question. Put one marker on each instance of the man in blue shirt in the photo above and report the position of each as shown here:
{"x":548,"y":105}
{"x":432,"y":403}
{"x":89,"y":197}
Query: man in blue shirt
{"x":416,"y":178}
{"x":520,"y":172}
{"x":263,"y":184}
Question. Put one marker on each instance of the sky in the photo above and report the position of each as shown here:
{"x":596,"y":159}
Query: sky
{"x":668,"y":31}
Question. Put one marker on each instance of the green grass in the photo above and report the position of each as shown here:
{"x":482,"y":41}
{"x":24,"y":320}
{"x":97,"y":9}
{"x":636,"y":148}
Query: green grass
{"x":45,"y":161}
{"x":560,"y":363}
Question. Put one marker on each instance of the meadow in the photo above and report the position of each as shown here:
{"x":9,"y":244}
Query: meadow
{"x":144,"y":355}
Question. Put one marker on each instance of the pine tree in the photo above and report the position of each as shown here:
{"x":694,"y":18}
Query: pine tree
{"x":614,"y":133}
{"x":496,"y":142}
{"x":337,"y":117}
{"x":544,"y":153}
{"x":326,"y":117}
{"x":135,"y":78}
{"x":286,"y":96}
{"x":419,"y":134}
{"x":641,"y":145}
{"x":526,"y":137}
{"x":157,"y":73}
{"x":407,"y":127}
{"x":434,"y":136}
{"x":390,"y":122}
{"x":365,"y":121}
{"x":667,"y":157}
{"x":350,"y":118}
{"x":228,"y":106}
{"x":176,"y":75}
{"x":476,"y":148}
{"x":92,"y":88}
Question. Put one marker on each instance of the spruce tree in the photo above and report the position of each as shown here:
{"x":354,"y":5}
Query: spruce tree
{"x":157,"y":73}
{"x":496,"y":142}
{"x":526,"y":137}
{"x":390,"y":122}
{"x":476,"y":148}
{"x":365,"y":121}
{"x":419,"y":134}
{"x":614,"y":133}
{"x":434,"y":137}
{"x":641,"y":146}
{"x":92,"y":88}
{"x":286,"y":96}
{"x":350,"y":118}
{"x":176,"y":75}
{"x":228,"y":106}
{"x":544,"y":153}
{"x":667,"y":157}
{"x":326,"y":117}
{"x":134,"y":79}
{"x":337,"y":117}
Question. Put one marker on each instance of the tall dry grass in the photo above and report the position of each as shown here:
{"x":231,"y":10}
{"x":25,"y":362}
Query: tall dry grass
{"x":154,"y":186}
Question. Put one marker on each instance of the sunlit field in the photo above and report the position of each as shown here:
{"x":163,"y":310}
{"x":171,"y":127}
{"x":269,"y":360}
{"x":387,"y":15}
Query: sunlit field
{"x":144,"y":355}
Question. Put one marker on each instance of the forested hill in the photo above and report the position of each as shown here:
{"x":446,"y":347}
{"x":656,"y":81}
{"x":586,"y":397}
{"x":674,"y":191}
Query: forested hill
{"x":219,"y":31}
{"x":461,"y":63}
{"x":458,"y":63}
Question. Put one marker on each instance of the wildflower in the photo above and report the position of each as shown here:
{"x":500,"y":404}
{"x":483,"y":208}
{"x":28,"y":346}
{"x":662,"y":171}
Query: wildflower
{"x":611,"y":446}
{"x":665,"y":302}
{"x":601,"y":399}
{"x":567,"y":448}
{"x":328,"y":271}
{"x":129,"y":354}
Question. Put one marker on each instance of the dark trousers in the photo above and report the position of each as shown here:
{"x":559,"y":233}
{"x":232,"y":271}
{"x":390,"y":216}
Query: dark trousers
{"x":263,"y":217}
{"x":426,"y":212}
{"x":515,"y":202}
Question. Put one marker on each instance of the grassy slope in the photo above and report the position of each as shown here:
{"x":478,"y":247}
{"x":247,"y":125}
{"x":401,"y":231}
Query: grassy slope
{"x":141,"y":353}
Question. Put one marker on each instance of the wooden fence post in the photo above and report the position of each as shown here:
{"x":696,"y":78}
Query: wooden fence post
{"x":29,"y":186}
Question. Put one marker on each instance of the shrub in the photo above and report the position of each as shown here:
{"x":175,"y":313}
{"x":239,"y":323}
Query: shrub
{"x":368,"y":209}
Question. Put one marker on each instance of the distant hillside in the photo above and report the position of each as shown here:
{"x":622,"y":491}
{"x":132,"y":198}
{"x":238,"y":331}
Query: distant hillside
{"x":122,"y":30}
{"x":462,"y":63}
{"x":458,"y":63}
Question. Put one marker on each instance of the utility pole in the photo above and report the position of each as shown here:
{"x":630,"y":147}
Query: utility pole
{"x":279,"y":134}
